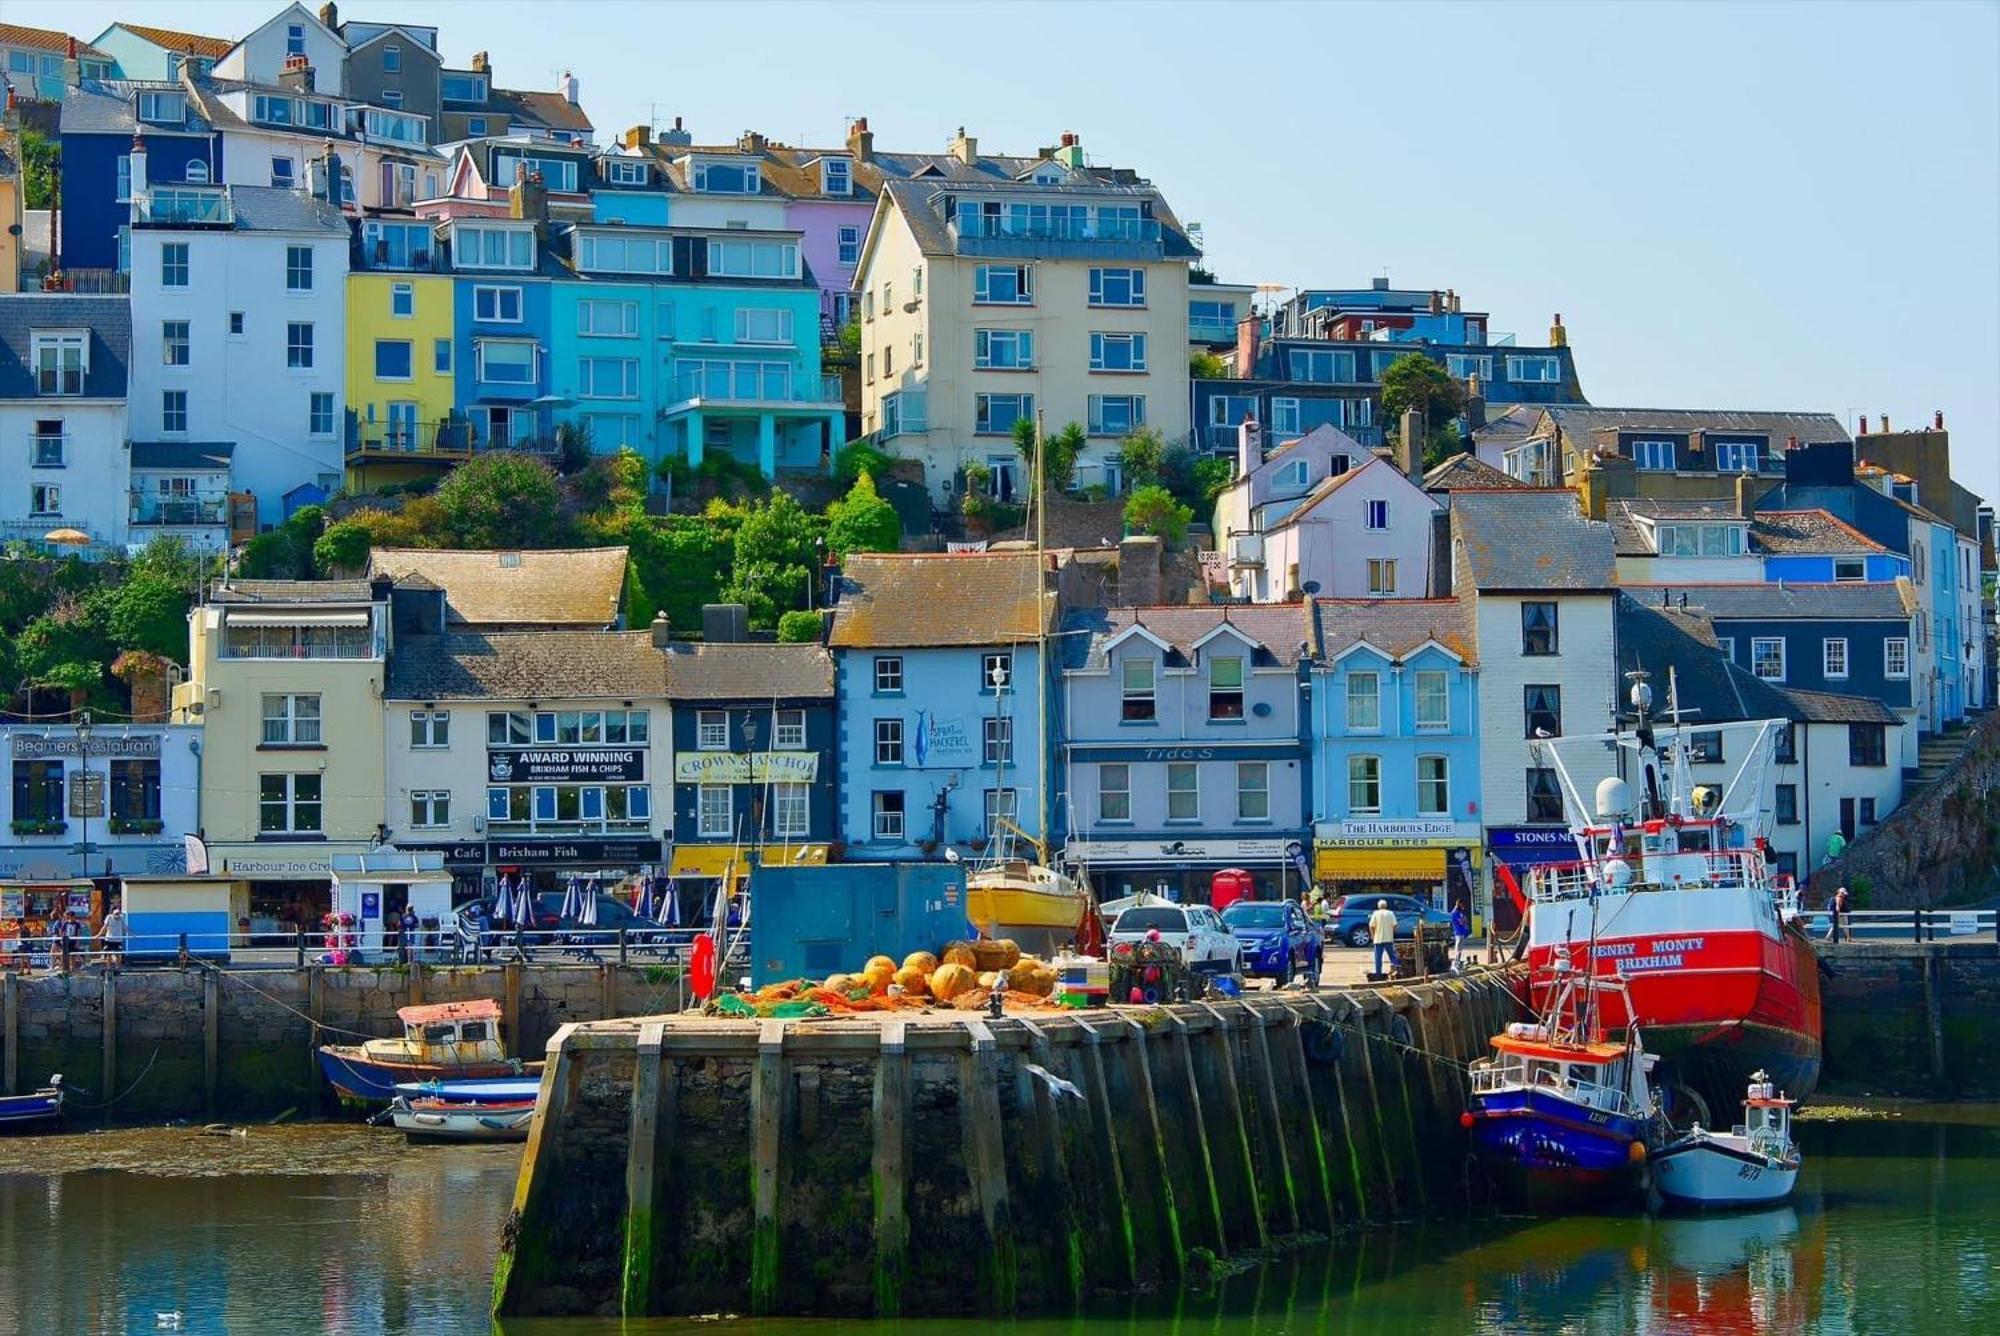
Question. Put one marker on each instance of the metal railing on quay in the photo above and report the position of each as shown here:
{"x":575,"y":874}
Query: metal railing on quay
{"x":635,"y":944}
{"x":1903,"y":925}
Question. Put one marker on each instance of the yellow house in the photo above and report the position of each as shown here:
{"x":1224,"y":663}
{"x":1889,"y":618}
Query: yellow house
{"x":11,"y":204}
{"x":400,"y":376}
{"x":286,"y":679}
{"x":993,"y":289}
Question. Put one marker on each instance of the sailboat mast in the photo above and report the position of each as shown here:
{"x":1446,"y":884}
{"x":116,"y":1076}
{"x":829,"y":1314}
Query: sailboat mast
{"x":1041,"y":647}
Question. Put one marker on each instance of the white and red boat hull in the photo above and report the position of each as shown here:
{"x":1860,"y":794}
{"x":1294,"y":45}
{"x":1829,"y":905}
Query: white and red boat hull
{"x":1720,"y":988}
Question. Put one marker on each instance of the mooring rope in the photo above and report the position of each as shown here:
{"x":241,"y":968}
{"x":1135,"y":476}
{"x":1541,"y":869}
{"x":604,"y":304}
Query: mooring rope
{"x":128,"y":1089}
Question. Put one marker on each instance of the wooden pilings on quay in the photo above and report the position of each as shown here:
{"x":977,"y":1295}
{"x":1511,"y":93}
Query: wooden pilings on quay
{"x":952,"y":1163}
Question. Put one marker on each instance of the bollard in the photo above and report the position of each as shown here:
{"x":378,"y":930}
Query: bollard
{"x":299,"y":946}
{"x":621,"y":946}
{"x":184,"y":951}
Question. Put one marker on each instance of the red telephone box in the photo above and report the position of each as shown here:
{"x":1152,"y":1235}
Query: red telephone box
{"x":1230,"y":885}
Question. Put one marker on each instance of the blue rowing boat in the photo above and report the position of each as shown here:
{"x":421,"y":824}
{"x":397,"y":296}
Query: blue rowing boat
{"x":472,"y":1092}
{"x":33,"y":1108}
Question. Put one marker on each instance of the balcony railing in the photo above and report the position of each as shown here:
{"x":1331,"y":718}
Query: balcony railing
{"x":446,"y":439}
{"x":182,"y":205}
{"x":180,"y":510}
{"x":1109,"y":238}
{"x":825,"y":392}
{"x":88,"y":282}
{"x":1211,"y":331}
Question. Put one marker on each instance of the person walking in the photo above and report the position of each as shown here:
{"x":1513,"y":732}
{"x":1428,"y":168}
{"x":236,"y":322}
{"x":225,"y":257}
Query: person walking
{"x":1382,"y":931}
{"x":113,"y":935}
{"x":412,"y":943}
{"x":1836,"y":912}
{"x":65,"y":932}
{"x":1461,"y":932}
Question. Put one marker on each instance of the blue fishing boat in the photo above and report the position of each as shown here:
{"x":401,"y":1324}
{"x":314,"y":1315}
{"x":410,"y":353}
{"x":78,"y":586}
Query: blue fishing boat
{"x":1562,"y":1115}
{"x":473,"y":1092}
{"x":444,"y":1041}
{"x":34,"y":1108}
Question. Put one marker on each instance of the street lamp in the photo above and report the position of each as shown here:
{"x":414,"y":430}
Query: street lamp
{"x":83,"y":774}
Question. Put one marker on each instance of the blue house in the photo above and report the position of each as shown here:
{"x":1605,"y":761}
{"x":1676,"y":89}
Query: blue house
{"x":753,"y":728}
{"x":1183,"y":748}
{"x":501,"y":329}
{"x":941,"y":695}
{"x":101,"y":123}
{"x":1814,"y":547}
{"x":159,"y":53}
{"x":1394,"y":734}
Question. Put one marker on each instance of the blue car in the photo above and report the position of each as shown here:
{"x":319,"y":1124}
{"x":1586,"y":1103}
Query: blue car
{"x":1349,"y":915}
{"x":1279,"y":940}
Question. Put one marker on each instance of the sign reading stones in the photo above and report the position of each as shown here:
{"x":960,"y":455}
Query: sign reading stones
{"x":537,"y":765}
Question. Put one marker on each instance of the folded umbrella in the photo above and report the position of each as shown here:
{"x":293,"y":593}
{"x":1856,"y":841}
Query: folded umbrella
{"x":503,"y":908}
{"x":590,"y":893}
{"x":642,"y":902}
{"x":570,"y":907}
{"x":524,"y":902}
{"x":670,"y":903}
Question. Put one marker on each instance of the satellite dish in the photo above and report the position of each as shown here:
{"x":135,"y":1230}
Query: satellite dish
{"x":1309,"y":587}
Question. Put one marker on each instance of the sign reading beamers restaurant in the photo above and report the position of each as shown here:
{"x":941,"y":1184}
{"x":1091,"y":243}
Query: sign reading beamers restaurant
{"x":746,"y":768}
{"x":38,"y":746}
{"x":532,"y":765}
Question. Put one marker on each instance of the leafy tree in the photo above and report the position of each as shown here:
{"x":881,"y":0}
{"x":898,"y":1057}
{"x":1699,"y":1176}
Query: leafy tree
{"x":850,"y":337}
{"x":503,"y":499}
{"x":677,"y":563}
{"x":858,"y":457}
{"x":171,"y":559}
{"x":41,"y":169}
{"x":343,"y":548}
{"x":1415,"y":380}
{"x":610,"y":483}
{"x":775,"y":553}
{"x":1065,"y":448}
{"x":149,"y":612}
{"x":1204,"y":365}
{"x":574,"y":446}
{"x":800,"y":628}
{"x":862,"y":521}
{"x":274,"y":556}
{"x":1144,"y":454}
{"x":67,"y":646}
{"x":1153,"y":510}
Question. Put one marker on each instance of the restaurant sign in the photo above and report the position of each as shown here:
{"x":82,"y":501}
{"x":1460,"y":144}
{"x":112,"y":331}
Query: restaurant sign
{"x":1396,"y":833}
{"x":37,"y":746}
{"x":542,"y":853}
{"x":746,"y":767}
{"x":519,"y":765}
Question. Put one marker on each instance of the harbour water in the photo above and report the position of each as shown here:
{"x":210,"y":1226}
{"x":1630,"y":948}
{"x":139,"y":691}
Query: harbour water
{"x":346,"y":1230}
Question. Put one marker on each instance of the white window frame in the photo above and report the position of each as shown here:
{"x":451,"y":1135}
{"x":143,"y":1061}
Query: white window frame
{"x":403,"y":295}
{"x":1432,"y":684}
{"x":836,"y":176}
{"x":1249,"y":794}
{"x":886,"y":824}
{"x":1647,"y":454}
{"x":173,"y":411}
{"x":1381,"y":577}
{"x":293,"y":802}
{"x":982,"y":292}
{"x":748,"y":317}
{"x":293,"y":724}
{"x":711,"y":730}
{"x":1758,"y":646}
{"x":1183,"y":799}
{"x":430,"y":809}
{"x":888,"y":674}
{"x":1133,"y":279}
{"x":480,"y":347}
{"x":1542,"y":369}
{"x":1003,"y":349}
{"x":982,"y":413}
{"x":298,"y":268}
{"x":1896,"y":658}
{"x":607,"y":317}
{"x":1133,"y":692}
{"x":430,"y":730}
{"x":997,"y":741}
{"x":1364,"y":771}
{"x":592,"y":371}
{"x":1363,"y":712}
{"x":848,"y":240}
{"x":492,"y":297}
{"x":1099,"y":420}
{"x":1441,"y":782}
{"x":1833,"y":658}
{"x":299,"y":351}
{"x":1376,"y":515}
{"x":788,"y":730}
{"x":1104,"y":341}
{"x":1114,"y":793}
{"x":791,"y":811}
{"x":889,"y":749}
{"x":714,"y":810}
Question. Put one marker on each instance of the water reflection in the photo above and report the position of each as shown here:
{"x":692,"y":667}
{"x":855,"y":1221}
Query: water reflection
{"x":354,"y":1233}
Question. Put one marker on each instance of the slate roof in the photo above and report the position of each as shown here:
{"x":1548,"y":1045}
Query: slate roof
{"x":527,"y":665}
{"x":46,"y":39}
{"x":289,"y":592}
{"x":916,"y":600}
{"x":750,"y":671}
{"x":1580,"y":422}
{"x":1396,"y":626}
{"x":580,"y":588}
{"x":1824,"y":707}
{"x":550,"y":109}
{"x":109,"y":320}
{"x":1277,"y":628}
{"x":108,"y":107}
{"x":193,"y":44}
{"x":191,"y":455}
{"x":913,"y":199}
{"x":1468,"y":470}
{"x":1629,"y":535}
{"x":1511,"y":427}
{"x":269,"y":209}
{"x":1873,"y":601}
{"x":1532,"y":539}
{"x":1811,"y":532}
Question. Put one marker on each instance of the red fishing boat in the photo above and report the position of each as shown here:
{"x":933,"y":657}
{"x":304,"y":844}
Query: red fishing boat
{"x":1688,"y":914}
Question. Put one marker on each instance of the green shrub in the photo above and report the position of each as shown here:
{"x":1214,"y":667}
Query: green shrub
{"x":799,"y":627}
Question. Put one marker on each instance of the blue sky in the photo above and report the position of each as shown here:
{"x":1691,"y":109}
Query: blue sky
{"x":1787,"y":206}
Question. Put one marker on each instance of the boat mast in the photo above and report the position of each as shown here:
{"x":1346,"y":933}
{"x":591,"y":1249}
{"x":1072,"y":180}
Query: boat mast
{"x":1041,"y":647}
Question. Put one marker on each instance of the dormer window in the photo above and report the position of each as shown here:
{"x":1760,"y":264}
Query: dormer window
{"x":625,"y":172}
{"x":1699,"y":540}
{"x":162,"y":108}
{"x":1294,"y":474}
{"x":197,"y":172}
{"x":272,"y":110}
{"x":1653,"y":456}
{"x":1048,"y":176}
{"x":1738,"y":456}
{"x":727,"y":178}
{"x":836,"y":176}
{"x":492,"y":247}
{"x":62,"y":359}
{"x":463,"y":88}
{"x":558,"y":174}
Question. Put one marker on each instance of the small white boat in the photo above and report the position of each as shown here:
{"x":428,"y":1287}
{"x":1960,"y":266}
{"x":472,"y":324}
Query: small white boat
{"x":439,"y":1120}
{"x":1753,"y":1165}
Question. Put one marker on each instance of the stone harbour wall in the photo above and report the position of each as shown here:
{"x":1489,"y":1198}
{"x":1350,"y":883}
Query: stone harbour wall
{"x":1911,"y":1019}
{"x":153,"y":1044}
{"x":951,"y":1163}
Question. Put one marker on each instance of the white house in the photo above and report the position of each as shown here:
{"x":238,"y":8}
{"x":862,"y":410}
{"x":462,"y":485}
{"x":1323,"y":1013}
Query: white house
{"x":1677,"y":541}
{"x":272,"y":133}
{"x":180,"y":489}
{"x":63,"y":381}
{"x":1541,"y":580}
{"x":293,"y":31}
{"x":239,"y":316}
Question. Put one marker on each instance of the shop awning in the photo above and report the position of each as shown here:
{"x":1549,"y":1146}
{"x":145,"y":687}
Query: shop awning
{"x":1379,"y":865}
{"x":712,"y":860}
{"x":303,"y":618}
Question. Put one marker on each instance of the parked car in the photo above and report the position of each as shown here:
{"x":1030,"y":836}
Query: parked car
{"x":1349,"y":917}
{"x":1278,"y":939}
{"x":1206,"y":944}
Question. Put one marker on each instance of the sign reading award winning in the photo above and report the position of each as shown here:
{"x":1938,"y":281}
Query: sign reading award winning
{"x":534,"y":765}
{"x":746,"y":767}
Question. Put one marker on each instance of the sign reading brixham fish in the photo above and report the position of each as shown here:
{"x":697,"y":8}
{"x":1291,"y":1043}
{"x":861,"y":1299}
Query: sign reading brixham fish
{"x":942,"y":742}
{"x":746,"y":767}
{"x":527,"y":765}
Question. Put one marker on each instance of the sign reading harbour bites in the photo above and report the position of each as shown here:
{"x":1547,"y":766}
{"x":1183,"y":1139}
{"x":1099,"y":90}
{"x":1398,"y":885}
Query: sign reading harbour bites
{"x":530,"y":765}
{"x":746,"y":767}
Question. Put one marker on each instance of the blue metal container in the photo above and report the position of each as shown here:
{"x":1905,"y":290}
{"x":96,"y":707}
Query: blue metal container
{"x":814,"y":921}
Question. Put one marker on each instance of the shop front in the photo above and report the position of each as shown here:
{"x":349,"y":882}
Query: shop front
{"x":1182,"y":869}
{"x":548,"y":864}
{"x":1435,"y":860}
{"x":1518,"y":849}
{"x":288,"y":888}
{"x":698,"y":870}
{"x":464,"y":860}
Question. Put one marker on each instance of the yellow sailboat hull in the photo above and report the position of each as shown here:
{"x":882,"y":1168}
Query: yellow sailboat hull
{"x":1039,"y":918}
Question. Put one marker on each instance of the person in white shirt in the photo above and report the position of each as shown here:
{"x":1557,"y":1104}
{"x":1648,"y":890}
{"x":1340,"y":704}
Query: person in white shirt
{"x":1382,"y":930}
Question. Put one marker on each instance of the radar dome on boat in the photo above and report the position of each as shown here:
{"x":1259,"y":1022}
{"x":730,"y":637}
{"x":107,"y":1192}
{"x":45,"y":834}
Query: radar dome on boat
{"x":1614,"y":797}
{"x":1617,"y":874}
{"x":1705,"y":799}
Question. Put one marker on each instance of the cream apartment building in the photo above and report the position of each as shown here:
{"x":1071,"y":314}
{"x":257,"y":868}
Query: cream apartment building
{"x":988,"y":297}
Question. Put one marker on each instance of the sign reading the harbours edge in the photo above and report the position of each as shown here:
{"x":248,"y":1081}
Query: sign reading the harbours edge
{"x":1392,"y":832}
{"x":746,"y":768}
{"x":531,"y":765}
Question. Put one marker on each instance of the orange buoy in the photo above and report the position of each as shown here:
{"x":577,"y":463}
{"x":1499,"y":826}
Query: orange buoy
{"x":1636,"y":1152}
